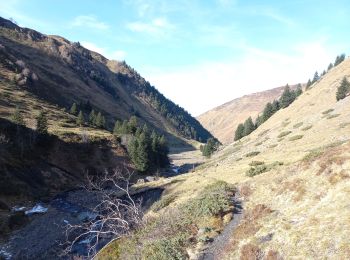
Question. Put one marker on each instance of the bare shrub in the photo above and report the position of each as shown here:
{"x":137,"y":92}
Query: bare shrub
{"x":114,"y":217}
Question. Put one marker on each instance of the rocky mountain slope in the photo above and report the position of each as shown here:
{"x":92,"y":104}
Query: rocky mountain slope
{"x":62,"y":72}
{"x":223,"y":120}
{"x":293,"y":176}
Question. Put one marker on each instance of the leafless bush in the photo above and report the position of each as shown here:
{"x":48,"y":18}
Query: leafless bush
{"x":114,"y":217}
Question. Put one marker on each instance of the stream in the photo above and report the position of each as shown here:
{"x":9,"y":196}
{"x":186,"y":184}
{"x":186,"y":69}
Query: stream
{"x":42,"y":238}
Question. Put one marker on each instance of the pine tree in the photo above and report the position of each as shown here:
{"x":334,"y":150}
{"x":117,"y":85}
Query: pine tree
{"x":258,"y":121}
{"x":17,"y":117}
{"x":239,"y":132}
{"x":316,"y":77}
{"x":323,"y":73}
{"x":74,"y":109}
{"x":268,"y":111}
{"x":330,"y":66}
{"x":41,"y":123}
{"x":248,"y":126}
{"x":92,"y":118}
{"x":142,"y":159}
{"x":103,"y":125}
{"x":339,"y":59}
{"x":99,"y":120}
{"x":80,"y":119}
{"x":132,"y":124}
{"x":343,"y":89}
{"x":117,"y":128}
{"x":275,"y":105}
{"x":287,"y":97}
{"x":308,"y":84}
{"x":299,"y":90}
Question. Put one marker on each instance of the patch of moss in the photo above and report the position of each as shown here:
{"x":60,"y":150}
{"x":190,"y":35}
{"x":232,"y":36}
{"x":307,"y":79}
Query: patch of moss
{"x":251,"y":154}
{"x":298,"y":125}
{"x":296,"y":137}
{"x":284,"y":133}
{"x":306,"y":128}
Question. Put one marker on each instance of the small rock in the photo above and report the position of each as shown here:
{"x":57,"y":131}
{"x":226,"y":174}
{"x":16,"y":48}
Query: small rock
{"x":150,"y":178}
{"x":227,"y":218}
{"x":140,"y":181}
{"x":266,"y":238}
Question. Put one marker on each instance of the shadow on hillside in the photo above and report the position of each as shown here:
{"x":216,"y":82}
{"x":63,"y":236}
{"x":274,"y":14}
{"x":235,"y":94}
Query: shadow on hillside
{"x":37,"y":167}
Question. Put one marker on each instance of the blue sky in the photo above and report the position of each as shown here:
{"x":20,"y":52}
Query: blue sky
{"x":200,"y":53}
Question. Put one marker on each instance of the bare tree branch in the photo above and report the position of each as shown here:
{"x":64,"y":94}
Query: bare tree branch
{"x":114,"y":217}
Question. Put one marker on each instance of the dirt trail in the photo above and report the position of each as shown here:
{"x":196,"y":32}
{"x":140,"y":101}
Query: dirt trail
{"x":214,"y":250}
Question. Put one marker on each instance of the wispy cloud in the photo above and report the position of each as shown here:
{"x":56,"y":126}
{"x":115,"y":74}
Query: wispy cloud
{"x":89,"y":21}
{"x":274,"y":15}
{"x":157,"y":27}
{"x":114,"y":55}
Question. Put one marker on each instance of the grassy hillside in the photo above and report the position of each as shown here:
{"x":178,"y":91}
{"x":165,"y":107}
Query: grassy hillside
{"x":223,"y":120}
{"x":293,"y":174}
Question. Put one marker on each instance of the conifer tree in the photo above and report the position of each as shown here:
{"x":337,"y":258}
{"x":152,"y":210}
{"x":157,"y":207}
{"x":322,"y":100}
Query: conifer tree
{"x":275,"y":106}
{"x":248,"y":126}
{"x":17,"y":117}
{"x":330,"y":66}
{"x":117,"y":127}
{"x":132,"y":124}
{"x":299,"y":90}
{"x":287,"y":97}
{"x":258,"y":121}
{"x":74,"y":109}
{"x":316,"y":77}
{"x":339,"y":59}
{"x":308,"y":84}
{"x":343,"y":89}
{"x":268,"y":111}
{"x":92,"y":118}
{"x":41,"y":123}
{"x":80,"y":119}
{"x":103,"y":122}
{"x":239,"y":132}
{"x":99,"y":120}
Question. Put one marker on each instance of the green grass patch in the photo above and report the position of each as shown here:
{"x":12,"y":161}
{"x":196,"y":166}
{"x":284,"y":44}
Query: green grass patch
{"x":273,"y":145}
{"x":163,"y":202}
{"x":256,"y":170}
{"x":167,"y":235}
{"x":258,"y":144}
{"x":333,"y":116}
{"x":213,"y":200}
{"x":256,"y":163}
{"x":284,"y":133}
{"x":327,"y":111}
{"x":298,"y":125}
{"x":251,"y":154}
{"x":306,"y":128}
{"x":296,"y":137}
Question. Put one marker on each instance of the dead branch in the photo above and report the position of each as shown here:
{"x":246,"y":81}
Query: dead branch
{"x":114,"y":217}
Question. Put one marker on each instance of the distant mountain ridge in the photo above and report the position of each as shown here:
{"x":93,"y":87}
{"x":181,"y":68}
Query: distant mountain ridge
{"x":223,"y":120}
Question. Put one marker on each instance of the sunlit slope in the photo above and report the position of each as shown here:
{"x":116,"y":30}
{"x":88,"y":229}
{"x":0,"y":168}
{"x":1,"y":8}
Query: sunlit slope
{"x":298,"y":208}
{"x":223,"y":120}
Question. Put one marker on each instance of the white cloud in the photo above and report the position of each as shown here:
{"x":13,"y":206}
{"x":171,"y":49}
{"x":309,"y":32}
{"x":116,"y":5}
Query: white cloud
{"x":114,"y":55}
{"x":89,"y":22}
{"x":201,"y":87}
{"x":157,"y":26}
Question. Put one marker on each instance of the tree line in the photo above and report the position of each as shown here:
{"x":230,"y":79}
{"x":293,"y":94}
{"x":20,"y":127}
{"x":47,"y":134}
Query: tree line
{"x":94,"y":119}
{"x":339,"y":59}
{"x":147,"y":149}
{"x":288,"y":96}
{"x":178,"y":117}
